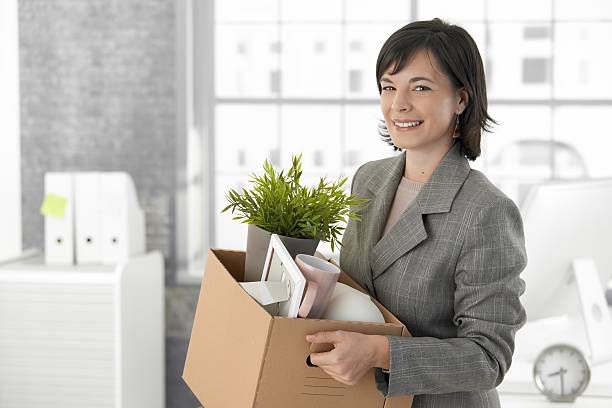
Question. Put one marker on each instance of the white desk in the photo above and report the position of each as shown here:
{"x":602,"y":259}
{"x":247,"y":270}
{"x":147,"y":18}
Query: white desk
{"x":540,"y":401}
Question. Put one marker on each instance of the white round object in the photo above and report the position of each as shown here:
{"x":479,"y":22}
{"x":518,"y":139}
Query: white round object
{"x":350,"y":304}
{"x":561,"y":373}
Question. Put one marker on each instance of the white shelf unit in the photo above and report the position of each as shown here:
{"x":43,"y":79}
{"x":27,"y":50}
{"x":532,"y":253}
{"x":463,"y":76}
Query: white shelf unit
{"x":82,"y":336}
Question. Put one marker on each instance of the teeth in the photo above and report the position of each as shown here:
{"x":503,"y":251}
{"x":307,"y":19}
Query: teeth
{"x":407,"y":124}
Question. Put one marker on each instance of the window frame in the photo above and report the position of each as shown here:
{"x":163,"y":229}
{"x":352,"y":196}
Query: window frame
{"x":196,"y":103}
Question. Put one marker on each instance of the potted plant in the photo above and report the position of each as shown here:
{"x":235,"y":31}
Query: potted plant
{"x":300,"y":215}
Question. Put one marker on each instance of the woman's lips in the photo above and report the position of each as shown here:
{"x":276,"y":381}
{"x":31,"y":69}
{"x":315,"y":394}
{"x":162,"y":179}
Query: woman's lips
{"x":407,"y":125}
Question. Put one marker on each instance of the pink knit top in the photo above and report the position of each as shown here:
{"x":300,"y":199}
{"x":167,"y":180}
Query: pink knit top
{"x":407,"y":191}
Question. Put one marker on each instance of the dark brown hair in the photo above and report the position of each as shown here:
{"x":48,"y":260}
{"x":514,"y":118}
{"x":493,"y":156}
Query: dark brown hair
{"x":458,"y":56}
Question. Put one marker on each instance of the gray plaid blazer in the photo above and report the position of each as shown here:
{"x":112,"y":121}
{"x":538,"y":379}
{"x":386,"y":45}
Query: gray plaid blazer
{"x":449,"y":270}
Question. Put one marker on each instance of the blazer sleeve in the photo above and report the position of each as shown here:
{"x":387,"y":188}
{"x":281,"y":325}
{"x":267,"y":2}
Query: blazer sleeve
{"x":487,"y":314}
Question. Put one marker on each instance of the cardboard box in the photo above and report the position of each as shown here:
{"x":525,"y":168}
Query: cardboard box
{"x":241,"y":356}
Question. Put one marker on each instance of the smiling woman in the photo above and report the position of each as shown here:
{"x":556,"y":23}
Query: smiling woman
{"x":433,"y":66}
{"x":439,"y":245}
{"x":421,"y":107}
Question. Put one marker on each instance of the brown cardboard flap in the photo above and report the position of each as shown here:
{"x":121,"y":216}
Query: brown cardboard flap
{"x":401,"y":401}
{"x":228,"y":339}
{"x":233,"y":261}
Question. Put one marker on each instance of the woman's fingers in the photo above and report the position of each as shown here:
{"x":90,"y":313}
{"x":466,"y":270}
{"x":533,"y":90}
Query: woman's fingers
{"x":326,"y":358}
{"x":323,"y":359}
{"x":325,"y":337}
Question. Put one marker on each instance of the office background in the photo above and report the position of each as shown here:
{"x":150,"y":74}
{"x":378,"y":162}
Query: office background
{"x":126,"y":85}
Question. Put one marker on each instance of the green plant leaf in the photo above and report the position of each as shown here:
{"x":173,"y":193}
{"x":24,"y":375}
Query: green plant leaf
{"x":278,"y":203}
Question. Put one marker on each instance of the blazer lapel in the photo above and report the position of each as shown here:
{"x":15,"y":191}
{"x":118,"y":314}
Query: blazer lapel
{"x":436,"y":196}
{"x":408,"y":232}
{"x":380,"y":189}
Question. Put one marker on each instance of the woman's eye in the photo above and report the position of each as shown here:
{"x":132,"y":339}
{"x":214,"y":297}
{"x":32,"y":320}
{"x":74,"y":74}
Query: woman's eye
{"x":421,"y":88}
{"x":387,"y":88}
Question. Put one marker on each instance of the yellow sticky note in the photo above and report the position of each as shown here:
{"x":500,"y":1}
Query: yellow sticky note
{"x":53,"y":206}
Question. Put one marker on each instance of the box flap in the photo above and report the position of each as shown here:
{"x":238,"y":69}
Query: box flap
{"x":233,"y":261}
{"x":402,"y":401}
{"x":228,"y":338}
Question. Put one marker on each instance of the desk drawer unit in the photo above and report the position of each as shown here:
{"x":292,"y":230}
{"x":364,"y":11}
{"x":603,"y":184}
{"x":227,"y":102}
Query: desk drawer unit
{"x":82,"y":336}
{"x":57,"y":344}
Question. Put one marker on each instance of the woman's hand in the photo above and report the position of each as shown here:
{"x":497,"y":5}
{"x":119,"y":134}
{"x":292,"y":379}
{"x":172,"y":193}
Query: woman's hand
{"x":353,"y":354}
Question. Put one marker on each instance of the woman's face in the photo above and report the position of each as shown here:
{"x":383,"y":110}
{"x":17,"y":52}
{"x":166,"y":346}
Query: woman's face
{"x":420,"y":104}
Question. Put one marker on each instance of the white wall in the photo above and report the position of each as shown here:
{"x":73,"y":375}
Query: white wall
{"x":10,"y":155}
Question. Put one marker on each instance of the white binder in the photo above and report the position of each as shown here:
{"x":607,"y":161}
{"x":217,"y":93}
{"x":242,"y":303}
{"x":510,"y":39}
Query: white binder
{"x":59,"y":231}
{"x":87,"y":219}
{"x":123,"y":223}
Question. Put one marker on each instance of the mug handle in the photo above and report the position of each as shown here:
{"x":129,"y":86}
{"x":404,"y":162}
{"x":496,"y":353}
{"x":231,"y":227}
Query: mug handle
{"x":309,"y":299}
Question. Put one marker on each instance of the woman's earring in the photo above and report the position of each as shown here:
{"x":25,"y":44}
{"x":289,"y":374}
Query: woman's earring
{"x":455,"y":132}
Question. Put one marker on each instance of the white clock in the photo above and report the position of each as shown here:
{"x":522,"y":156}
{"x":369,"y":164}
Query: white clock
{"x":561,"y":373}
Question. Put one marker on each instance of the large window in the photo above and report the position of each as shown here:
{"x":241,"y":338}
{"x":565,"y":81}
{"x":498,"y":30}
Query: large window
{"x":274,"y":78}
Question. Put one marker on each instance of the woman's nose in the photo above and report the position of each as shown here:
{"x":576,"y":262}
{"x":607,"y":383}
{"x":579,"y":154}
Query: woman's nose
{"x":400,"y":103}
